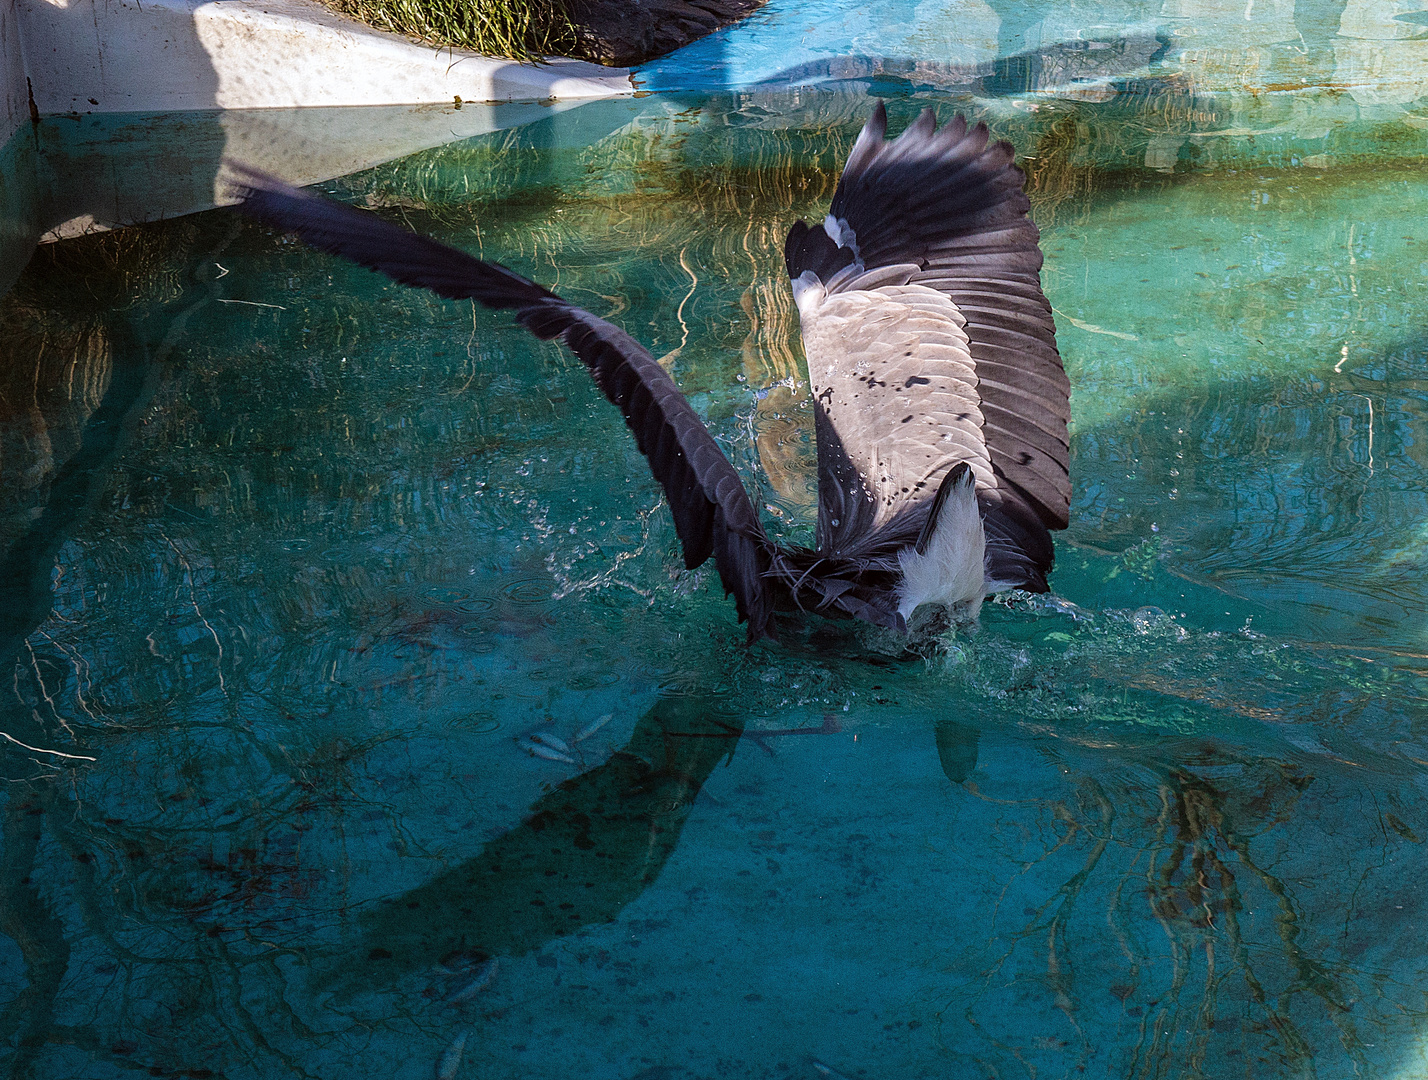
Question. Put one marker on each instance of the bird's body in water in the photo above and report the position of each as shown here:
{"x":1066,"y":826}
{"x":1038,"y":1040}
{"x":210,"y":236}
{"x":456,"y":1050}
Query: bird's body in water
{"x":940,"y":403}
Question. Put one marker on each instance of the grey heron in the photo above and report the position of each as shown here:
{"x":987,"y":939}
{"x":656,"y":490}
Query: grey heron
{"x":940,"y":402}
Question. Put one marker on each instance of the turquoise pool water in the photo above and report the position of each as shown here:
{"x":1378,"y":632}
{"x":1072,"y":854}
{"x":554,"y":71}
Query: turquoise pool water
{"x":292,"y":559}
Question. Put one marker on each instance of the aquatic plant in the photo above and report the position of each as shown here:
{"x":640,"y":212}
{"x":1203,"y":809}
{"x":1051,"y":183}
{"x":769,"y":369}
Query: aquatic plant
{"x":520,"y":29}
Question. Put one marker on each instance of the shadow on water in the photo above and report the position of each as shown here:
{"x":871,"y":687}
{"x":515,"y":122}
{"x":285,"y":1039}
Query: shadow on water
{"x":26,"y":567}
{"x":28,"y":563}
{"x":27,"y":917}
{"x":956,"y":749}
{"x":76,"y":376}
{"x":579,"y":856}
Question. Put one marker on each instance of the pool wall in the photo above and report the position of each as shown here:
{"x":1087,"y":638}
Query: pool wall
{"x":264,"y":83}
{"x":12,"y":71}
{"x":123,"y":56}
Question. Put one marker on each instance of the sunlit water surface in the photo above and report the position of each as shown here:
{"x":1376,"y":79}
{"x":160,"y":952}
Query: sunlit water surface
{"x":295,"y":558}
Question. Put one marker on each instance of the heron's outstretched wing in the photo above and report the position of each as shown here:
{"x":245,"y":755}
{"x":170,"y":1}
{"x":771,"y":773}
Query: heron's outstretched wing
{"x":944,"y":210}
{"x":712,"y":511}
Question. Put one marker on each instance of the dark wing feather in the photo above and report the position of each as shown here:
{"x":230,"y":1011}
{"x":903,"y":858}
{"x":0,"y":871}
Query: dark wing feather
{"x":712,"y":511}
{"x":955,"y":206}
{"x":367,"y":240}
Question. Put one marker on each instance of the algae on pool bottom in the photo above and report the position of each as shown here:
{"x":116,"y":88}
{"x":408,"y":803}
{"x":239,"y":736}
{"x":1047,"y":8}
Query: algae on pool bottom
{"x":359,"y":543}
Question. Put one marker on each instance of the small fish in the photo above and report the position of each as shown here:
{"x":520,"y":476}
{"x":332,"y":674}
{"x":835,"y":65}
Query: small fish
{"x":480,"y":979}
{"x":590,"y":729}
{"x":823,"y":1070}
{"x":457,"y":964}
{"x":555,"y":742}
{"x":830,"y":726}
{"x":1094,"y":329}
{"x":538,"y":750}
{"x":450,"y":1060}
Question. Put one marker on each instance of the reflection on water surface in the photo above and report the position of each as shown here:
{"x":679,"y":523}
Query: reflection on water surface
{"x":302,"y":560}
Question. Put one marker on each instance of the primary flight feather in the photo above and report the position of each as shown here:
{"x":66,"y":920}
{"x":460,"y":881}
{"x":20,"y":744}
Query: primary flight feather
{"x":940,"y":403}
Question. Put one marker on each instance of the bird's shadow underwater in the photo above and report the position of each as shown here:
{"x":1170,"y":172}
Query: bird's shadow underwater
{"x":582,"y":853}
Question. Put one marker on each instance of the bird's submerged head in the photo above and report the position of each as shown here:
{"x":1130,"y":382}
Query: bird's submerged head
{"x":808,"y":292}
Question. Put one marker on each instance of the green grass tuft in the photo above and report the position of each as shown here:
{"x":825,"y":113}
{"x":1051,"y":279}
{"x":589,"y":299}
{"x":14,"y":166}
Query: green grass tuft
{"x":519,"y":29}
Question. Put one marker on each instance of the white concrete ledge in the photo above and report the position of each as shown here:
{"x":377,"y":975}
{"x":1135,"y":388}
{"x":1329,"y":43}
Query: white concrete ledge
{"x":183,"y":55}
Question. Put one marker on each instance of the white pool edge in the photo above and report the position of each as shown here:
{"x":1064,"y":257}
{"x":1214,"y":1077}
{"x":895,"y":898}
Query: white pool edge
{"x":184,"y":55}
{"x":246,"y":59}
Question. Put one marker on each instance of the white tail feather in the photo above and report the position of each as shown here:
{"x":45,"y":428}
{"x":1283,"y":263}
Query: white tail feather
{"x":951,"y":571}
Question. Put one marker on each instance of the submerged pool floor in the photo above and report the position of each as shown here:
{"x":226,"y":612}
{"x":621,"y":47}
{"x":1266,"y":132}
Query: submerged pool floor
{"x":294,"y":558}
